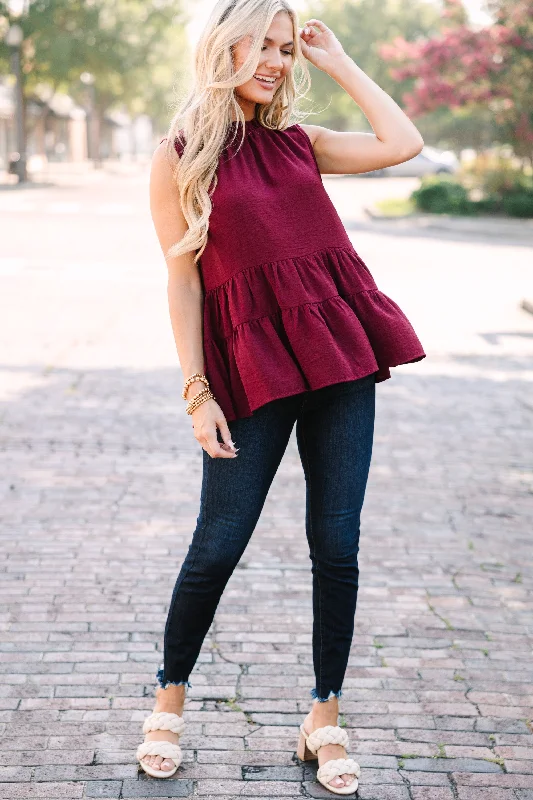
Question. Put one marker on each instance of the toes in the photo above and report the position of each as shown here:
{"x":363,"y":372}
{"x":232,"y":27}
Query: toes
{"x":341,"y":780}
{"x":156,"y":762}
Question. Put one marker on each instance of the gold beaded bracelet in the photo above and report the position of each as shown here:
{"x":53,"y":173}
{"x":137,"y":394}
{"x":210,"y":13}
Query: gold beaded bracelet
{"x":198,"y":399}
{"x":198,"y":376}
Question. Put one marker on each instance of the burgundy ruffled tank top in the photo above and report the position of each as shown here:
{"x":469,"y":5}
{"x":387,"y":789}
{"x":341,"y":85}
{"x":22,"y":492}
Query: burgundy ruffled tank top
{"x":289,"y":306}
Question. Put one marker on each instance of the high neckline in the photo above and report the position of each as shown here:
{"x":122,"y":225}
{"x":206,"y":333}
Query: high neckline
{"x":247,"y":122}
{"x":237,"y":128}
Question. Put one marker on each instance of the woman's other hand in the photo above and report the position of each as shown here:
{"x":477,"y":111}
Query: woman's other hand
{"x":206,"y":419}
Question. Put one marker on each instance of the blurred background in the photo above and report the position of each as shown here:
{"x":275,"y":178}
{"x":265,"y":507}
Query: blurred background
{"x":83,"y":83}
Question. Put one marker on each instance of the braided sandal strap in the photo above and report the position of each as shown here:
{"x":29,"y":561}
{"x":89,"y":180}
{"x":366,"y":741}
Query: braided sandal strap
{"x":336,"y":767}
{"x":329,"y":734}
{"x":162,"y":748}
{"x":164,"y":721}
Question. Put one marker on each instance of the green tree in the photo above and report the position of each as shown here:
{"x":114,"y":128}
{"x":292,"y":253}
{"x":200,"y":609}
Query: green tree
{"x":483,"y":72}
{"x":512,"y":83}
{"x":133,"y":49}
{"x":362,"y":26}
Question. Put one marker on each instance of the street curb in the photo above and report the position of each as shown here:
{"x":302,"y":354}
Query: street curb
{"x":521,"y":229}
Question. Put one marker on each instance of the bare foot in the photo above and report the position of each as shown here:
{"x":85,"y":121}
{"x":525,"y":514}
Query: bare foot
{"x":170,"y":699}
{"x":326,"y":714}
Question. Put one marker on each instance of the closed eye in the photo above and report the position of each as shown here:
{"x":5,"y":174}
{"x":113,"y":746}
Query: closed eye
{"x":287,"y":52}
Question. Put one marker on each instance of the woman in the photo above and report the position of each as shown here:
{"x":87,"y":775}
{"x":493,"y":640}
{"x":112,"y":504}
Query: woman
{"x":277,"y":321}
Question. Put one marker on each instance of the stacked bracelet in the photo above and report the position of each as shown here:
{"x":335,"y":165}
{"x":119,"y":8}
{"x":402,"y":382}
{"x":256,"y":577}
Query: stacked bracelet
{"x":198,"y":399}
{"x":196,"y":377}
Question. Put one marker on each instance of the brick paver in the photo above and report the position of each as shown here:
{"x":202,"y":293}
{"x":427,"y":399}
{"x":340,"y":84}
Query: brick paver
{"x":100,"y":491}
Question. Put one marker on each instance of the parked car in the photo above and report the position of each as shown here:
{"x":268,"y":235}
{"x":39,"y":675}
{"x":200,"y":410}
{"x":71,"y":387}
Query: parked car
{"x":429,"y":161}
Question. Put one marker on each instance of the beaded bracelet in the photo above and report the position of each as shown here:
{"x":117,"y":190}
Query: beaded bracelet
{"x":198,"y":399}
{"x":198,"y":376}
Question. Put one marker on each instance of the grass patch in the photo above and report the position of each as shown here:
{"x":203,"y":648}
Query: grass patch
{"x":441,"y":753}
{"x":395,"y":206}
{"x":231,"y":703}
{"x":498,"y":761}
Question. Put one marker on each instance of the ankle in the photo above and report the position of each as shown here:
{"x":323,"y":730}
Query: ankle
{"x":324,"y":713}
{"x":170,"y":699}
{"x":327,"y":708}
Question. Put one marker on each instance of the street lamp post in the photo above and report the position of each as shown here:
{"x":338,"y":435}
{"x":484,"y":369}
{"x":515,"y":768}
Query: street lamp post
{"x":14,"y":39}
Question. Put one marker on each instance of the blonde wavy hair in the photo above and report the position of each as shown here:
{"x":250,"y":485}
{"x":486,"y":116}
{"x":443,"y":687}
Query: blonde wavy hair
{"x":205,"y":116}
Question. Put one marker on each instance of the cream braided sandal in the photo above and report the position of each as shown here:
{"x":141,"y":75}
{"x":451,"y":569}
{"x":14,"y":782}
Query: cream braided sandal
{"x":161,"y":721}
{"x":310,"y":744}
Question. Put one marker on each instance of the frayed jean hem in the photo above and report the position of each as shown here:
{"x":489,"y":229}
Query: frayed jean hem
{"x":160,"y":677}
{"x":315,"y":696}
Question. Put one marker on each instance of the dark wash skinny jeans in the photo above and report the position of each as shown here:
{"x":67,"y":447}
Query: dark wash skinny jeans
{"x":334,"y":432}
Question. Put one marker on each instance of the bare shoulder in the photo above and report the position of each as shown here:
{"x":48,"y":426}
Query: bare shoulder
{"x":163,"y":186}
{"x":322,"y":136}
{"x":165,"y":202}
{"x":324,"y":142}
{"x":313,"y":131}
{"x":161,"y":168}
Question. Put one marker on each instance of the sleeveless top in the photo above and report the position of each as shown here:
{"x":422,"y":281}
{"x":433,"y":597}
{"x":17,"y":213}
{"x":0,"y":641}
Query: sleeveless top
{"x":289,"y":306}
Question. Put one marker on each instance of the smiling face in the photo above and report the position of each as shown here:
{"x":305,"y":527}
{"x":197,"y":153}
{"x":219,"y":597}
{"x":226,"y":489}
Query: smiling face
{"x":275,"y":62}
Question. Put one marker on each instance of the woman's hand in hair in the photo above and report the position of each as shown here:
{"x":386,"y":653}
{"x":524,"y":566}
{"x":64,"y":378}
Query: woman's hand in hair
{"x":321,"y":48}
{"x":206,"y":418}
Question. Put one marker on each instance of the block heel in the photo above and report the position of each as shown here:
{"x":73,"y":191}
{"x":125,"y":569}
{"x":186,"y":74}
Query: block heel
{"x":303,"y":752}
{"x":310,"y":744}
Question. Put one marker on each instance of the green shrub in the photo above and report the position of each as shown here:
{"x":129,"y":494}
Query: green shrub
{"x":504,"y":182}
{"x":519,"y":204}
{"x":444,"y":195}
{"x":486,"y":205}
{"x":495,"y":173}
{"x":441,"y":195}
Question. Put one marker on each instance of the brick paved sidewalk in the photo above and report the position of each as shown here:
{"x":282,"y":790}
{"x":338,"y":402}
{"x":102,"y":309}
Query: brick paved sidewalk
{"x":100,"y":492}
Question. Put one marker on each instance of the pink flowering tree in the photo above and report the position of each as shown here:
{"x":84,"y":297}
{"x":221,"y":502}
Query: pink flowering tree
{"x":466,"y":68}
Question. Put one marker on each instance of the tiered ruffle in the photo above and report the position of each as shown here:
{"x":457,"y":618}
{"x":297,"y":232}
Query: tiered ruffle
{"x":298,"y":324}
